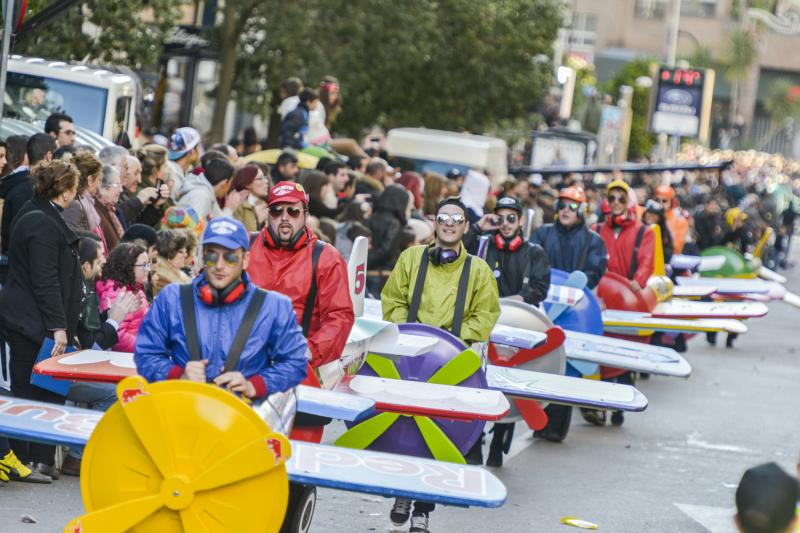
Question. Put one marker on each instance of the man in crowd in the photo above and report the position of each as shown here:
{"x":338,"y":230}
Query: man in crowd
{"x":60,"y":127}
{"x":132,"y":201}
{"x":678,"y":224}
{"x":295,"y":124}
{"x":443,"y":286}
{"x":184,"y":153}
{"x":522,"y":273}
{"x":203,"y":190}
{"x":17,"y":188}
{"x":189,"y":331}
{"x":570,"y":245}
{"x":288,"y":258}
{"x":285,"y":168}
{"x":338,"y":179}
{"x":709,"y":225}
{"x":631,"y":248}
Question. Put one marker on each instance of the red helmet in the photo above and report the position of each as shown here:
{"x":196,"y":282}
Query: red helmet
{"x":575,"y":194}
{"x":666,"y":191}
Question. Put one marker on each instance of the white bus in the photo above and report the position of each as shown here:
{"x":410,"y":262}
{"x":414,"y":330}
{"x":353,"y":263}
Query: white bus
{"x":98,"y":100}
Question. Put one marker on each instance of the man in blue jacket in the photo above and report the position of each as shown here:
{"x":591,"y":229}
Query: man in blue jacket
{"x":271,"y":357}
{"x":570,"y":246}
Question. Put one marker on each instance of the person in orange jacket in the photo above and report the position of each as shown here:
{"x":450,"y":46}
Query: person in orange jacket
{"x":677,"y":223}
{"x":287,"y":257}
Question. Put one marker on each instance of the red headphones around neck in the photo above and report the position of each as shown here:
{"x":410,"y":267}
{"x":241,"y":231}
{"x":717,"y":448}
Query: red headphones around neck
{"x":215,"y":297}
{"x":272,"y":240}
{"x":511,"y":245}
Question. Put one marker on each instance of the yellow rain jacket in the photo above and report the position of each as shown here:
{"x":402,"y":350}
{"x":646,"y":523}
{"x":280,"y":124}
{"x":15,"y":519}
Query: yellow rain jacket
{"x":438,"y":302}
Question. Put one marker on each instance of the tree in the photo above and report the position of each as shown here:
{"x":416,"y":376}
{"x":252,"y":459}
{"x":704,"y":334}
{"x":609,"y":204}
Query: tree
{"x":451,"y":64}
{"x":741,"y":55}
{"x":130,"y":32}
{"x":641,"y":143}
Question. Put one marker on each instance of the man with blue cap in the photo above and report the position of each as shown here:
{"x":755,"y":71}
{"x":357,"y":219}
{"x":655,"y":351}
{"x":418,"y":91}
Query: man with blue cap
{"x":221,"y":328}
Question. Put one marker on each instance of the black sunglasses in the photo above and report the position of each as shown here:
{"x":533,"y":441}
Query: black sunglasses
{"x":614,"y":198}
{"x":510,"y":218}
{"x":277,"y":210}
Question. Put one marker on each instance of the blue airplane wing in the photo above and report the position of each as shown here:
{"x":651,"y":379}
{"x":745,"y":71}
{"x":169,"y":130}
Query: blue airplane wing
{"x":331,"y":404}
{"x":324,"y":466}
{"x":394,"y":475}
{"x":517,"y":337}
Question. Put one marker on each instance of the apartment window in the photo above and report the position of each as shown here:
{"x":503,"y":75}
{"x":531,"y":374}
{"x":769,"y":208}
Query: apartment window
{"x":699,"y":8}
{"x":583,"y":30}
{"x":651,"y":9}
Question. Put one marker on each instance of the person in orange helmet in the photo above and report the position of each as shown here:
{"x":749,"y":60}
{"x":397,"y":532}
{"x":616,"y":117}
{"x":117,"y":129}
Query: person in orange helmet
{"x":677,"y":223}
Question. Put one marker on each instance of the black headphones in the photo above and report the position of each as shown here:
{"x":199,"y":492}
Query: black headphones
{"x":442,"y":256}
{"x":272,"y":240}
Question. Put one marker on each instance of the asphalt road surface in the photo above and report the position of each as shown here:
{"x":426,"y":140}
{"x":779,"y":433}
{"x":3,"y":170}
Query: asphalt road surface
{"x":672,"y":468}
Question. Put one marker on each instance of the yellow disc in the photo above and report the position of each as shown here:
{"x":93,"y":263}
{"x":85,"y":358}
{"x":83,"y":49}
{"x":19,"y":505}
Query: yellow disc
{"x":182,"y":456}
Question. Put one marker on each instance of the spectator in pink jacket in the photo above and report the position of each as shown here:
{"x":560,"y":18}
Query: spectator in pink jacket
{"x":125,"y":270}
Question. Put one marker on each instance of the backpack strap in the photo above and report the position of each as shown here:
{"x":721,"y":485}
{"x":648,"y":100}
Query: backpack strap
{"x":461,"y":298}
{"x":190,"y":321}
{"x":634,"y":256}
{"x":419,"y":285}
{"x":244,"y":331}
{"x":311,"y":299}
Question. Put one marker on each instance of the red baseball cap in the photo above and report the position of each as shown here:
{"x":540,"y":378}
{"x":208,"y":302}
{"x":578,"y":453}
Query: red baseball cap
{"x":287,"y":192}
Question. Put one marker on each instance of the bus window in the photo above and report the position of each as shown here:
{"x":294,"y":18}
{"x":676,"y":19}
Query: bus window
{"x":32,"y":97}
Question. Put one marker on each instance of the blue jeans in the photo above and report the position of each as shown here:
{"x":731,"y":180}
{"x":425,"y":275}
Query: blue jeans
{"x":98,"y":396}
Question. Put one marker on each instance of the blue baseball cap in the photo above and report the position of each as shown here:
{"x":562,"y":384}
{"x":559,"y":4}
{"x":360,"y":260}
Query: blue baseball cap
{"x":227,"y":232}
{"x":182,"y":142}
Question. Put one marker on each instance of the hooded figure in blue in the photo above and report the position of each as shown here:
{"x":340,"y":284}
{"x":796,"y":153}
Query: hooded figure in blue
{"x":274,"y":354}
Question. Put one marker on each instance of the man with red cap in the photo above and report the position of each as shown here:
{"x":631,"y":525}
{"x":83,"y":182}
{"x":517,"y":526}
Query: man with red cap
{"x":288,"y":258}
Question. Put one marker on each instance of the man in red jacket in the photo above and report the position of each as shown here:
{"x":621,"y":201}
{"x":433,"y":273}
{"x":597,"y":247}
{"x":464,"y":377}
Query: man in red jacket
{"x":630,"y":246}
{"x":283,"y":258}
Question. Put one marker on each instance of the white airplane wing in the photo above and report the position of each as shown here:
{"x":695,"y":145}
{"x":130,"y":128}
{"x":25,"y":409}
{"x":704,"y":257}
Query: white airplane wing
{"x":691,"y":309}
{"x":631,"y":322}
{"x":628,"y":355}
{"x":564,"y":389}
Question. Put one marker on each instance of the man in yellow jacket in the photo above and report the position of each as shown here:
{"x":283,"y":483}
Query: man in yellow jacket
{"x":443,"y":286}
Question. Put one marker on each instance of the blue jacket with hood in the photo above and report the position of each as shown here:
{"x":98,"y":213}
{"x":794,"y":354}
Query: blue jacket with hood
{"x":273,"y":359}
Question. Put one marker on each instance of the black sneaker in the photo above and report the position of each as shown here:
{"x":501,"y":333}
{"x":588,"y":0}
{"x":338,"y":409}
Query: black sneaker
{"x":617,"y":418}
{"x":593,"y":416}
{"x":400,"y":511}
{"x":475,"y":454}
{"x":419,"y":524}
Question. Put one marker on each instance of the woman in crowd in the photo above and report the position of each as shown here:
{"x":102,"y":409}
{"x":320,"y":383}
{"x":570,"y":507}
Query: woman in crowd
{"x":5,"y":168}
{"x":42,"y":297}
{"x":414,"y":184}
{"x":126,"y":270}
{"x":317,"y":187}
{"x":654,"y":214}
{"x":173,"y":255}
{"x":253,"y":211}
{"x":435,"y":190}
{"x":81,"y":214}
{"x":391,"y":213}
{"x":153,"y":159}
{"x":355,"y":215}
{"x":111,"y":225}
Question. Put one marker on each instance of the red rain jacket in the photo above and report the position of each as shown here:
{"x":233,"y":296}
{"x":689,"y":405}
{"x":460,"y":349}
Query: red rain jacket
{"x":289,"y":272}
{"x":620,"y":250}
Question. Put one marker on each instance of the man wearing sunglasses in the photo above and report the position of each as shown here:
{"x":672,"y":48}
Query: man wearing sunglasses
{"x":61,"y":128}
{"x":443,"y":286}
{"x":570,"y":245}
{"x":288,"y":258}
{"x":189,"y":332}
{"x":631,"y":248}
{"x":522,"y":273}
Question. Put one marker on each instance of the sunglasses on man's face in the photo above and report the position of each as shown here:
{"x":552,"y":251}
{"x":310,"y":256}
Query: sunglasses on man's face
{"x":210,"y":259}
{"x":510,"y":218}
{"x":277,"y":211}
{"x":615,"y":198}
{"x":572,"y":206}
{"x":445,"y":219}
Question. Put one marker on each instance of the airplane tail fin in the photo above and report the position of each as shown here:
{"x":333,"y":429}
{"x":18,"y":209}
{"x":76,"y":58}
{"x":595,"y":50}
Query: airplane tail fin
{"x":357,"y":274}
{"x":658,"y":257}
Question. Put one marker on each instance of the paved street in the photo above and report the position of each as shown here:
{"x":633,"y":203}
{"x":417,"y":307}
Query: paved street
{"x":671,"y":468}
